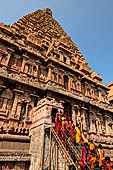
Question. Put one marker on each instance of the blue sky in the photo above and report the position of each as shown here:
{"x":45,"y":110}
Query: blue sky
{"x":89,"y":23}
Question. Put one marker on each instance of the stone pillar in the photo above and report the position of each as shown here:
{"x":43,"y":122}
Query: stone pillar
{"x":8,"y":58}
{"x":85,"y":88}
{"x":18,"y":110}
{"x":14,"y":105}
{"x":24,"y":61}
{"x":69,"y":82}
{"x":107,"y":125}
{"x":92,"y":122}
{"x":98,"y":123}
{"x":49,"y":72}
{"x":4,"y":105}
{"x":74,"y":113}
{"x":83,"y":118}
{"x":79,"y":115}
{"x":15,"y":102}
{"x":71,"y":85}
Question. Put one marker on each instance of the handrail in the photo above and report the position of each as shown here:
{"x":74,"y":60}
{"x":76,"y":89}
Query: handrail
{"x":74,"y":148}
{"x":68,"y":157}
{"x":68,"y":140}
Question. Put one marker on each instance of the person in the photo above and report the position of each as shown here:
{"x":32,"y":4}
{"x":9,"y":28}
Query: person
{"x":91,"y":146}
{"x":92,"y":159}
{"x":108,"y":162}
{"x":102,"y":167}
{"x":83,"y":162}
{"x":71,"y":131}
{"x":78,"y":134}
{"x":63,"y":121}
{"x":84,"y":137}
{"x":63,"y":132}
{"x":101,"y":155}
{"x":57,"y":123}
{"x":72,"y":167}
{"x":97,"y":166}
{"x":66,"y":122}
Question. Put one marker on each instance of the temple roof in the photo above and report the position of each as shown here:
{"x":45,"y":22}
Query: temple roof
{"x":41,"y":30}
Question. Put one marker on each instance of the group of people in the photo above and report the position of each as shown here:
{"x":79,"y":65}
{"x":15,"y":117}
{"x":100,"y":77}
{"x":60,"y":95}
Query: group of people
{"x":92,"y":156}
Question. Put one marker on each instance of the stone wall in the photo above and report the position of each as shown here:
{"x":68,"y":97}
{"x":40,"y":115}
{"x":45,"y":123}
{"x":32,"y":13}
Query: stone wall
{"x":14,"y":165}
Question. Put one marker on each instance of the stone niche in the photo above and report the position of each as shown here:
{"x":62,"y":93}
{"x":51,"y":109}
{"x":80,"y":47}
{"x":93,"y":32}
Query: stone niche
{"x":6,"y":101}
{"x":15,"y":62}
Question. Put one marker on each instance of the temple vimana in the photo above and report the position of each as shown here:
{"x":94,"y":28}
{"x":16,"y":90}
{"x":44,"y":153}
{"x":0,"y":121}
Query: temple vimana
{"x":42,"y":72}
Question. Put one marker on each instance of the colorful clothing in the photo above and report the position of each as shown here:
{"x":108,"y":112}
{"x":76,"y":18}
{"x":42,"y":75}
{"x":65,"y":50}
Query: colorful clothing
{"x":57,"y":124}
{"x":109,"y":166}
{"x":66,"y":124}
{"x":71,"y":132}
{"x":63,"y":122}
{"x":63,"y":133}
{"x":84,"y":138}
{"x":91,"y":146}
{"x":83,"y":162}
{"x":78,"y":135}
{"x":101,"y":157}
{"x":92,"y":160}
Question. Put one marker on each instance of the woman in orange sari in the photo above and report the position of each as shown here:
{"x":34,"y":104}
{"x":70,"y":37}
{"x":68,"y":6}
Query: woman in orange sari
{"x":101,"y":155}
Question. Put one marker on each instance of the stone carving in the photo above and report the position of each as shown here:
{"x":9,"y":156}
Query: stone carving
{"x":98,"y":126}
{"x":15,"y":62}
{"x":6,"y":100}
{"x":92,"y":119}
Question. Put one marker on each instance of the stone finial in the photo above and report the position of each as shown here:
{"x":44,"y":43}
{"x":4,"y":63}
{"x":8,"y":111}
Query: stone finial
{"x":48,"y":11}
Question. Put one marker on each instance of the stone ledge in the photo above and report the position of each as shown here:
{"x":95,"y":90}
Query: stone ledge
{"x":14,"y":156}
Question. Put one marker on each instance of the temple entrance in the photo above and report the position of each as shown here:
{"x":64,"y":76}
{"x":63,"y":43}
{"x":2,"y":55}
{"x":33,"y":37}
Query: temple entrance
{"x":68,"y":109}
{"x":53,"y":114}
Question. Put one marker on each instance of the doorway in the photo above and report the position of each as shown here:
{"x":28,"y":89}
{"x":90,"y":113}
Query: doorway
{"x":53,"y":114}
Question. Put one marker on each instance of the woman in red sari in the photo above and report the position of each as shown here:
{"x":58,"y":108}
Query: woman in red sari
{"x":71,"y":131}
{"x":57,"y":123}
{"x":83,"y":162}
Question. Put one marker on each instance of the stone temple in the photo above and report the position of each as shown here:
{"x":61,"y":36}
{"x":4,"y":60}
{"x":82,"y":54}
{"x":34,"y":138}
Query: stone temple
{"x":42,"y":72}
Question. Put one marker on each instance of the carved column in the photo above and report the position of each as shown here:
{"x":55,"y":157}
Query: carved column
{"x":14,"y":107}
{"x":69,"y":82}
{"x":4,"y":105}
{"x":49,"y":72}
{"x":74,"y":113}
{"x":92,"y":122}
{"x":98,"y":123}
{"x":71,"y":85}
{"x":79,"y":116}
{"x":61,"y":108}
{"x":10,"y":51}
{"x":107,"y":121}
{"x":99,"y":92}
{"x":85,"y":89}
{"x":24,"y":61}
{"x":83,"y":118}
{"x":18,"y":110}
